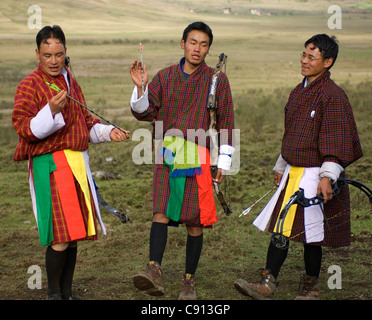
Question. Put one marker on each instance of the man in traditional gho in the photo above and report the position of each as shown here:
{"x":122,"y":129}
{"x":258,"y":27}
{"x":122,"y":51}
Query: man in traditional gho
{"x":320,"y":140}
{"x":54,"y":133}
{"x":176,"y":99}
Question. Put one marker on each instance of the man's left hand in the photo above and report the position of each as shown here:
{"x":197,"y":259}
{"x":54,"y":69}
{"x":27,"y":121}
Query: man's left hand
{"x":325,"y":188}
{"x":219,"y":176}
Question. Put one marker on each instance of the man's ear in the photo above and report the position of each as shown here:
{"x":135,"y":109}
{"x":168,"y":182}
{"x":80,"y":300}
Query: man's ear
{"x":328,"y":62}
{"x":37,"y":54}
{"x":182,"y":44}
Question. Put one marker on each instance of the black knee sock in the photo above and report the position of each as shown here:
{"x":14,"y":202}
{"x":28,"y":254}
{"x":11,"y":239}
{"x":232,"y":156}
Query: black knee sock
{"x":313,"y":259}
{"x":54,"y":262}
{"x":275,"y":259}
{"x":68,"y":272}
{"x":194,"y":247}
{"x":158,"y":241}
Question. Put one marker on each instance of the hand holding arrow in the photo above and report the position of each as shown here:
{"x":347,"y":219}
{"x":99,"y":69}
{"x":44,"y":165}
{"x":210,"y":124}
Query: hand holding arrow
{"x":139,"y":74}
{"x":57,"y":103}
{"x":61,"y":96}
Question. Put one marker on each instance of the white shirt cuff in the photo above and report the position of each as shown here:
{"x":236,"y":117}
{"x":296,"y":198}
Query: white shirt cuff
{"x":330,"y":170}
{"x":141,"y":104}
{"x":100,"y":133}
{"x":44,"y":124}
{"x":280,"y":165}
{"x":224,"y":158}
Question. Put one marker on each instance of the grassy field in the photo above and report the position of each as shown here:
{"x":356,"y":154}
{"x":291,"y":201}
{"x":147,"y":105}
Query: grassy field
{"x":263,"y":66}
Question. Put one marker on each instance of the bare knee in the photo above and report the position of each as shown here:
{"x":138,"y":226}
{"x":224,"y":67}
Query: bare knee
{"x":160,"y":217}
{"x":60,"y":246}
{"x":194,"y":231}
{"x":63,"y":245}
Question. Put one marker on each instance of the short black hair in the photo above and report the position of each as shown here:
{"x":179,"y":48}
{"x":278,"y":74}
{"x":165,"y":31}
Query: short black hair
{"x":201,"y":26}
{"x":50,"y":32}
{"x":328,"y":46}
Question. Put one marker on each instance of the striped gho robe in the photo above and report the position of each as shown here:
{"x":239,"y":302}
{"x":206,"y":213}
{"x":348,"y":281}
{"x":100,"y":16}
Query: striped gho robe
{"x":68,"y":130}
{"x":320,"y":128}
{"x":180,"y":102}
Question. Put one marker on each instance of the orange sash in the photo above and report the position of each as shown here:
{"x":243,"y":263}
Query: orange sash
{"x":68,"y":197}
{"x":208,"y":212}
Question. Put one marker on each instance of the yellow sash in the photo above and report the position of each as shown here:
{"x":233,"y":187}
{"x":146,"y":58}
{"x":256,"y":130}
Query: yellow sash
{"x":76,"y":161}
{"x":294,"y":178}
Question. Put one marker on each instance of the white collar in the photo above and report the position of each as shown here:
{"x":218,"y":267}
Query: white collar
{"x":65,"y":74}
{"x":305,"y":82}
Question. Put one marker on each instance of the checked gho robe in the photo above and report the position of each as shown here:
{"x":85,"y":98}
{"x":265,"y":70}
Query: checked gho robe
{"x":59,"y":143}
{"x":319,"y":129}
{"x":178,"y":102}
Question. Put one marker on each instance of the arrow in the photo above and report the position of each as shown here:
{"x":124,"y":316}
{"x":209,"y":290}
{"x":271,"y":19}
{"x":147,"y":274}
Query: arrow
{"x":54,"y":87}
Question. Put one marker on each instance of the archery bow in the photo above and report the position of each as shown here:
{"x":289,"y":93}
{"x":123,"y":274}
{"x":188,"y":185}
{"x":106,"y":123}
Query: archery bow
{"x":212,"y":108}
{"x":122,"y":216}
{"x":281,"y":241}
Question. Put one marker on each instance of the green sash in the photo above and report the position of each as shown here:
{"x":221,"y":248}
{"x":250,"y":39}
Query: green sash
{"x":42,"y":167}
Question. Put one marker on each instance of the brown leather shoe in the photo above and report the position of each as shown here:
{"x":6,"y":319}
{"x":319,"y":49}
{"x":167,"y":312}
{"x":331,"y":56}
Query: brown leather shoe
{"x":150,"y":280}
{"x":309,"y":289}
{"x":187,"y":291}
{"x":264,"y":290}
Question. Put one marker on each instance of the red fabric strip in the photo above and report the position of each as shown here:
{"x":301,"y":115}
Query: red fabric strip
{"x":208,"y":212}
{"x":68,"y":197}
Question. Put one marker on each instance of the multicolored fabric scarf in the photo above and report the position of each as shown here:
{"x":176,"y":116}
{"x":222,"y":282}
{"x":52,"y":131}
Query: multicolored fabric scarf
{"x":66,"y":167}
{"x":182,"y":155}
{"x":185,"y":159}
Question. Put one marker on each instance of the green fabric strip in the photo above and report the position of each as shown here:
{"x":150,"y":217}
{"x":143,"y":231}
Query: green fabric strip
{"x":42,"y":167}
{"x":177,"y":190}
{"x":182,"y":157}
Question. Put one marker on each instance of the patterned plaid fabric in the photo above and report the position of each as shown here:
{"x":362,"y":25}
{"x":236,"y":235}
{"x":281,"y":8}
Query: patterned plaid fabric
{"x":319,"y":127}
{"x":190,"y":212}
{"x":181,"y":103}
{"x":31,"y":96}
{"x":60,"y":232}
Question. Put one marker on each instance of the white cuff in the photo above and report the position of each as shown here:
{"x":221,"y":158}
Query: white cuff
{"x":330,"y":170}
{"x":280,"y":165}
{"x":141,"y":104}
{"x":44,"y":124}
{"x":100,"y":133}
{"x":224,"y":158}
